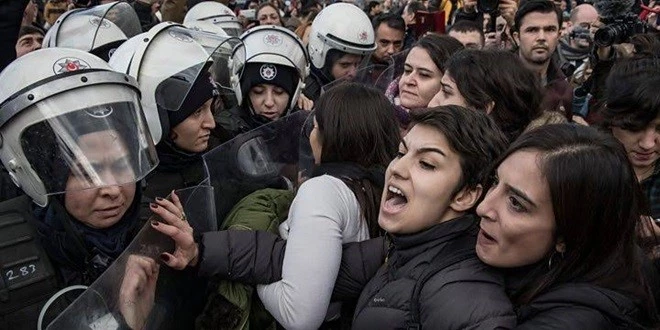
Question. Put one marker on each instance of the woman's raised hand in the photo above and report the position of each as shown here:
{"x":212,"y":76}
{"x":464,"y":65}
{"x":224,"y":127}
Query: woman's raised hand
{"x":175,"y":226}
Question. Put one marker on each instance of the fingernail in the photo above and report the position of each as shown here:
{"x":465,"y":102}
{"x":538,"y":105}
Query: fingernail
{"x":155,"y":223}
{"x":153,"y":206}
{"x":164,"y":257}
{"x":160,"y":199}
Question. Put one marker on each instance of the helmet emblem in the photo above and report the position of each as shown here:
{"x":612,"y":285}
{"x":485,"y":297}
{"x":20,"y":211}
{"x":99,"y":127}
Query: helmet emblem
{"x":273,"y":40}
{"x":99,"y":112}
{"x":363,"y":36}
{"x":268,"y":71}
{"x":69,"y":65}
{"x":181,"y":36}
{"x":98,"y":21}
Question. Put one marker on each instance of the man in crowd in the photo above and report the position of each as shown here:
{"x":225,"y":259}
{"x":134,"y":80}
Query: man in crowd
{"x":536,"y":31}
{"x":29,"y":40}
{"x":468,"y":33}
{"x":575,"y":48}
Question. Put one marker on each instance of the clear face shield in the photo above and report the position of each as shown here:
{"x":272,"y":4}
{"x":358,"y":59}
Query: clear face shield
{"x":71,"y":145}
{"x":135,"y":291}
{"x":98,"y":30}
{"x":205,"y":63}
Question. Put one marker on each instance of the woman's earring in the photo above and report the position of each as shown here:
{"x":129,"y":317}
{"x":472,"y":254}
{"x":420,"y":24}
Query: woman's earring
{"x":554,"y":253}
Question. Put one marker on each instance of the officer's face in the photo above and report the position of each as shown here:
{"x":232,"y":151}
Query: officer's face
{"x":101,"y":207}
{"x":193,"y":133}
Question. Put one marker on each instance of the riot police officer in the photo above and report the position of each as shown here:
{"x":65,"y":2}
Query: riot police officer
{"x":274,"y":65}
{"x":75,"y":140}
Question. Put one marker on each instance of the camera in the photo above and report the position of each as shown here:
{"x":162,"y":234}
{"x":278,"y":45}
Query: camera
{"x":619,"y":29}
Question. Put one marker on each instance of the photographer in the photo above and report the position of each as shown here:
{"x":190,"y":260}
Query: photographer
{"x":616,"y":25}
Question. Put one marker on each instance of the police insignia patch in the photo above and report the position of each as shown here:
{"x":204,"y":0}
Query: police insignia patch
{"x":98,"y":21}
{"x":69,"y":64}
{"x":272,"y":40}
{"x":99,"y":112}
{"x":268,"y":71}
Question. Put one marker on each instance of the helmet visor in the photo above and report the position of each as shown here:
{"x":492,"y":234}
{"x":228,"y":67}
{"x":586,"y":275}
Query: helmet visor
{"x":98,"y":29}
{"x":95,"y":146}
{"x":174,"y":92}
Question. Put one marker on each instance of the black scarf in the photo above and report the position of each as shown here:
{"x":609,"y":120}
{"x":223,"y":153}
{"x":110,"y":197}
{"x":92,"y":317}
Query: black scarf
{"x":173,"y":159}
{"x":352,"y":171}
{"x":80,"y":248}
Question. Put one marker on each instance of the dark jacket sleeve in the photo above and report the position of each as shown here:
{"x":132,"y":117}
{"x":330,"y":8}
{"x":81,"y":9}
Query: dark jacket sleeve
{"x":249,"y":257}
{"x":11,"y":15}
{"x":256,"y":257}
{"x":359,"y":263}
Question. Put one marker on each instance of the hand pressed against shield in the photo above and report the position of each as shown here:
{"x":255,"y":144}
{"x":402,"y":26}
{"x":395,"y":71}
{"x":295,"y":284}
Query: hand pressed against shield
{"x":138,"y":290}
{"x":176,"y":227}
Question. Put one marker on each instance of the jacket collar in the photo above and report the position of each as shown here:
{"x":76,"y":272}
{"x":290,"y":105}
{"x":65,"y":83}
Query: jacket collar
{"x":406,"y":247}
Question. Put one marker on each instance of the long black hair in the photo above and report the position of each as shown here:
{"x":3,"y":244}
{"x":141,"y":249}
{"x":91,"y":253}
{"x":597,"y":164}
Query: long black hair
{"x":597,"y":205}
{"x":356,"y":125}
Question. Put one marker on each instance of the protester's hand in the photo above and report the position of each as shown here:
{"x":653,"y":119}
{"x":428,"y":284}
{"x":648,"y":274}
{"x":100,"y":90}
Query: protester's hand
{"x":305,"y":103}
{"x":469,"y":6}
{"x":176,"y":226}
{"x":508,"y":9}
{"x":138,"y":289}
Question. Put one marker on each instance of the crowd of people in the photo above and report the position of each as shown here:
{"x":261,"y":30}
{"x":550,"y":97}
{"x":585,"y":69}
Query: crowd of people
{"x":454,"y":164}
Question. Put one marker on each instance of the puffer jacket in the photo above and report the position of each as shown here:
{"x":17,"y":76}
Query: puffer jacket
{"x":579,"y":306}
{"x":464,"y":295}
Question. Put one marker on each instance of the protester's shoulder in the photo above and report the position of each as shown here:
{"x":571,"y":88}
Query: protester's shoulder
{"x":580,"y":306}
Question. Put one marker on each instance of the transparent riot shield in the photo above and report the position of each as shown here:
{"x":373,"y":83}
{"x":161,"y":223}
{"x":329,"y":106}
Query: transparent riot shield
{"x":266,"y":157}
{"x":136,"y":291}
{"x":98,"y":30}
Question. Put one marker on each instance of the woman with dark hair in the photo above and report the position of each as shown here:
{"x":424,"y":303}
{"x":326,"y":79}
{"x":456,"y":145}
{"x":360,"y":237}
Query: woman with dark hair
{"x":268,"y":14}
{"x":432,"y":278}
{"x":422,"y":72}
{"x":632,"y":115}
{"x":572,"y":263}
{"x":494,"y":82}
{"x":353,"y":139}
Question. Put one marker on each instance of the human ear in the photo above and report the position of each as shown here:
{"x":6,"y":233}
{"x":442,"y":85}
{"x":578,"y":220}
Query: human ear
{"x":466,"y":198}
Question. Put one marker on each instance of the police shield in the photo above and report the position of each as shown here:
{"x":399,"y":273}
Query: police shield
{"x":266,"y":157}
{"x":136,"y":291}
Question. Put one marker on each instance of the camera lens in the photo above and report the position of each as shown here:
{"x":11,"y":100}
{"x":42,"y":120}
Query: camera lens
{"x":605,"y":36}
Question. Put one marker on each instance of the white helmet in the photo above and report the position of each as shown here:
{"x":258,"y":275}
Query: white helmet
{"x":217,"y":14}
{"x":269,"y":48}
{"x":168,"y":61}
{"x":343,"y":27}
{"x":98,"y":30}
{"x":68,"y":114}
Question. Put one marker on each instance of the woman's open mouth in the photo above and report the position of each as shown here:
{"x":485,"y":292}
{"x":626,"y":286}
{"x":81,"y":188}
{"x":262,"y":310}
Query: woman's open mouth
{"x":395,"y":200}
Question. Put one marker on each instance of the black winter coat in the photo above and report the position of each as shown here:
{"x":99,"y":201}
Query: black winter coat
{"x":464,"y":295}
{"x":576,"y":306}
